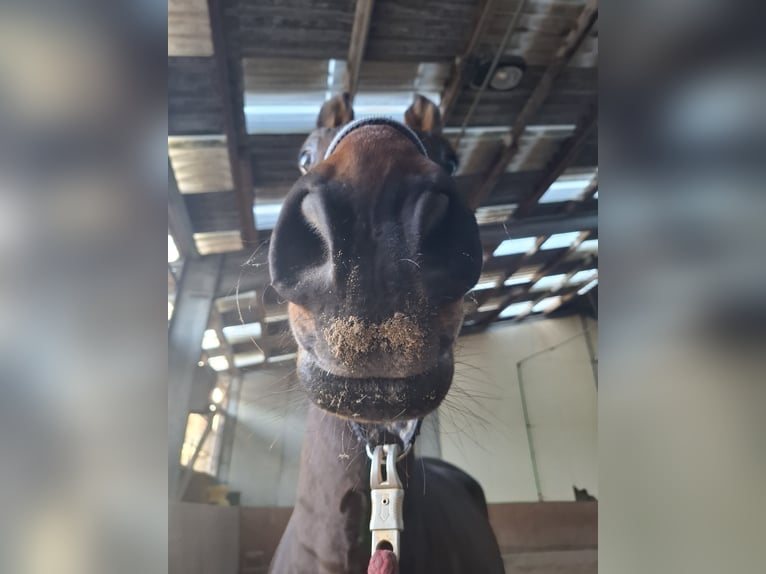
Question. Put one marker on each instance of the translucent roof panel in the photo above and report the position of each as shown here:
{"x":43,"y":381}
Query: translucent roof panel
{"x":494,"y":213}
{"x":588,"y":246}
{"x":282,"y":358}
{"x":173,"y":254}
{"x":514,"y":280}
{"x":242,"y":333}
{"x":515,"y":309}
{"x":488,"y":281}
{"x":284,"y":97}
{"x":546,"y":304}
{"x":582,"y":276}
{"x":549,"y":282}
{"x":210,"y":340}
{"x":218,"y":363}
{"x":513,"y":246}
{"x":266,"y":214}
{"x":559,"y":240}
{"x":568,"y":187}
{"x":584,"y":289}
{"x":248,"y":359}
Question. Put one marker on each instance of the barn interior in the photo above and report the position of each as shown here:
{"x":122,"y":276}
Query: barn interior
{"x":516,"y":84}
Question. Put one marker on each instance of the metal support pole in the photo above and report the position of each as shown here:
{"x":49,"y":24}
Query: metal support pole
{"x":528,"y":427}
{"x":190,"y":318}
{"x":591,"y":349}
{"x":229,"y":428}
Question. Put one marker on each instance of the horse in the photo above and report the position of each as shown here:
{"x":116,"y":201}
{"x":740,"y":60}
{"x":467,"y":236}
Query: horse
{"x":374,"y":250}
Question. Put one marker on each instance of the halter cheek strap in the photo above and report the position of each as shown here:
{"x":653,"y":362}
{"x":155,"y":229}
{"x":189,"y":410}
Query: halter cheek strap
{"x":375,"y":121}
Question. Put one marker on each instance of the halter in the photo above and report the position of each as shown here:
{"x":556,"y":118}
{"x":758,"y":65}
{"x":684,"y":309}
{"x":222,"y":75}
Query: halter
{"x":375,"y":121}
{"x":406,"y":431}
{"x":386,"y":489}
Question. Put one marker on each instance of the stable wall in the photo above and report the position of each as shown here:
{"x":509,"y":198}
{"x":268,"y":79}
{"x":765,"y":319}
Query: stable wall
{"x":480,"y":427}
{"x":482,"y":424}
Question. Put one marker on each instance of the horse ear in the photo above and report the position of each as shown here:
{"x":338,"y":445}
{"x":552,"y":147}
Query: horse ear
{"x":424,"y":115}
{"x":336,"y":112}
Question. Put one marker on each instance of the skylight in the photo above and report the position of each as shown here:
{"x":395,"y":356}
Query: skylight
{"x":588,"y":246}
{"x":512,"y":246}
{"x":248,"y":359}
{"x":218,"y":363}
{"x":210,"y":340}
{"x":549,"y":282}
{"x":514,"y":280}
{"x":266,"y":214}
{"x":485,"y":285}
{"x":494,"y":213}
{"x":173,"y":254}
{"x":281,"y":358}
{"x":488,"y":281}
{"x":588,"y":287}
{"x":241,"y":333}
{"x":582,"y":276}
{"x":546,"y":304}
{"x":559,"y":240}
{"x":487,"y":307}
{"x":515,"y":309}
{"x":279,"y":317}
{"x":294,"y":117}
{"x":568,"y":187}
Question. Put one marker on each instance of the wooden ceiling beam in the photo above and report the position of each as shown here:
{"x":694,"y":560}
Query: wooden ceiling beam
{"x":455,"y":86}
{"x":535,"y":226}
{"x":234,"y":122}
{"x":565,"y":299}
{"x":539,"y":275}
{"x":561,"y":160}
{"x":179,"y":222}
{"x":571,"y":43}
{"x":359,"y":32}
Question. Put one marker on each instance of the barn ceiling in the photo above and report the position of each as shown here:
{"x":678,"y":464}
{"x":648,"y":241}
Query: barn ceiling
{"x":246,"y":79}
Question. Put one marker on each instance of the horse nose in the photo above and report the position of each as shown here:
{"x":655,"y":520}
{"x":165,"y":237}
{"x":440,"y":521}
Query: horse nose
{"x":430,"y":242}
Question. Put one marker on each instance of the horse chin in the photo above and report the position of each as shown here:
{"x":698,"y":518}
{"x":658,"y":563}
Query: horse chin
{"x":377,"y":400}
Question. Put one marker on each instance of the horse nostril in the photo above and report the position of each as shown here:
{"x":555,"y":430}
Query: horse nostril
{"x":300,"y":245}
{"x":316,"y":217}
{"x":448,"y":245}
{"x":430,"y":211}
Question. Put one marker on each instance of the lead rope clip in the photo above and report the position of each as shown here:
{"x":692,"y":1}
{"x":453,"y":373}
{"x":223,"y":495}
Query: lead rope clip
{"x":387,"y":493}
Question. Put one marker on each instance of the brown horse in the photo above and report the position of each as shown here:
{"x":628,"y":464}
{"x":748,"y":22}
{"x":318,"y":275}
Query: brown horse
{"x":374,"y":250}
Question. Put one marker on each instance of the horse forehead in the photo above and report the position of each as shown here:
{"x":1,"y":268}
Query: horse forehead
{"x":375,"y":158}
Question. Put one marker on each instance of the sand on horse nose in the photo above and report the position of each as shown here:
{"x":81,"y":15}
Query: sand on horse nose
{"x":348,"y":338}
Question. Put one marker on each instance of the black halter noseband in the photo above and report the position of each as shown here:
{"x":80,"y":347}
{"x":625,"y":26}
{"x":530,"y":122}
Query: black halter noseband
{"x":375,"y":121}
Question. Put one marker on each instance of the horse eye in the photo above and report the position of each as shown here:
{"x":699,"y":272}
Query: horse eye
{"x":451,"y":166}
{"x":305,"y":160}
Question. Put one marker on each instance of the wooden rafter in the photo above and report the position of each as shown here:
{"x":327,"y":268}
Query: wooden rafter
{"x":453,"y":89}
{"x":571,"y":43}
{"x":561,"y":160}
{"x":535,"y":226}
{"x":178,"y":219}
{"x":362,"y":17}
{"x":545,"y":270}
{"x":234,"y":119}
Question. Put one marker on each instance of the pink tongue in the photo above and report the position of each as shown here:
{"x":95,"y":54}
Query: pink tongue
{"x":382,"y":562}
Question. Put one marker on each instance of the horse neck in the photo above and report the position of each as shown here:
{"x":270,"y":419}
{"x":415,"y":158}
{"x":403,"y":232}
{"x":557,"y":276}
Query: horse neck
{"x":332,"y":505}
